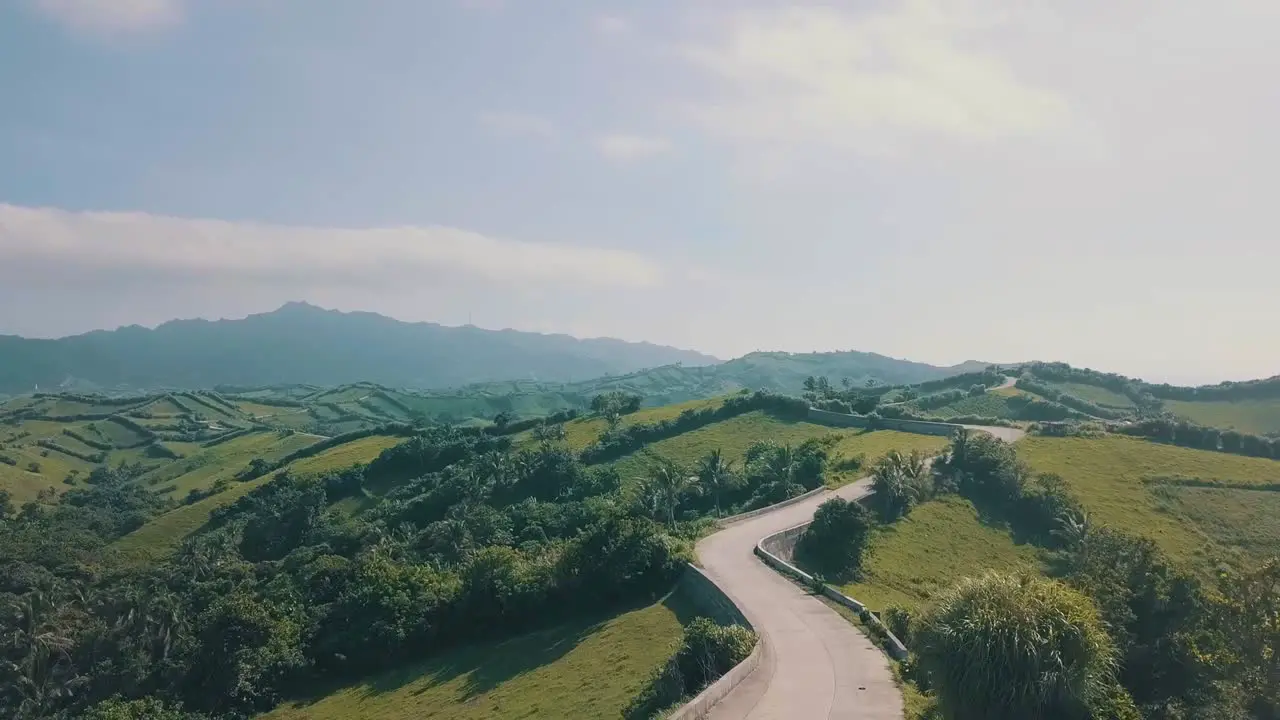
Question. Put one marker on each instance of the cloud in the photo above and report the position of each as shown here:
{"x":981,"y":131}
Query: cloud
{"x":610,"y":25}
{"x":140,"y":243}
{"x":517,"y":124}
{"x":624,"y":147}
{"x":113,"y":16}
{"x":860,"y":82}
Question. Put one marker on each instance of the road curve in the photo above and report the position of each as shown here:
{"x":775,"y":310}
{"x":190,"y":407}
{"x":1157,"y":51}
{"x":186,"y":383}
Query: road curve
{"x":814,"y":663}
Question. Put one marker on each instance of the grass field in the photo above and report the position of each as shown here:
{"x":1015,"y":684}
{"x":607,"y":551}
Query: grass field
{"x":344,"y":456}
{"x":988,"y":404}
{"x":875,"y":445}
{"x":940,"y":542}
{"x":163,"y":534}
{"x":1094,"y":394}
{"x":1260,"y":417}
{"x":587,"y":669}
{"x":732,"y":437}
{"x":1111,"y":476}
{"x":204,"y":468}
{"x":582,"y":432}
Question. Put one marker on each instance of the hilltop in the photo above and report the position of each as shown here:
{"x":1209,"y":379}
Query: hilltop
{"x":301,"y":343}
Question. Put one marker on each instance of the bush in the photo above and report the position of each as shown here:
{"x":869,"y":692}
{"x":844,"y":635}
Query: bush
{"x":898,"y":620}
{"x":707,"y":653}
{"x":1008,"y":648}
{"x":835,"y":541}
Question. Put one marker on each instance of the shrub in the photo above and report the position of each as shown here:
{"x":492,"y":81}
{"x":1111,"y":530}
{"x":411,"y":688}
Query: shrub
{"x":707,"y":652}
{"x":898,"y":620}
{"x":1008,"y":648}
{"x":835,"y":541}
{"x":900,"y":482}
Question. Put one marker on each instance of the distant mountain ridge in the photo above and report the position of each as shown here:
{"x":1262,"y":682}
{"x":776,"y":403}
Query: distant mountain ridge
{"x":301,"y":343}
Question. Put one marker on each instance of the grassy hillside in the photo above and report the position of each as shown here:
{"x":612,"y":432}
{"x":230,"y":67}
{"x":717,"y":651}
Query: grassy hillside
{"x":1259,"y":417}
{"x":162,"y":535}
{"x":1124,"y":482}
{"x":587,"y":669}
{"x":1139,"y":487}
{"x":939,"y":543}
{"x":733,"y":436}
{"x":203,"y":469}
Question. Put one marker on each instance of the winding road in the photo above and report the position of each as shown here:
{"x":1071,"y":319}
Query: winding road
{"x":814,"y":663}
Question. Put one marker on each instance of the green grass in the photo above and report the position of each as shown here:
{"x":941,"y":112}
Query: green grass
{"x":163,"y":406}
{"x":202,"y":469}
{"x":940,"y":542}
{"x":875,"y":445}
{"x":582,"y":432}
{"x":1247,"y":521}
{"x":157,"y":539}
{"x":587,"y":669}
{"x":1110,"y":476}
{"x":118,"y":434}
{"x":1259,"y":417}
{"x":988,"y":404}
{"x":344,"y":456}
{"x":163,"y":534}
{"x":732,"y":437}
{"x":23,"y":486}
{"x":1094,"y":394}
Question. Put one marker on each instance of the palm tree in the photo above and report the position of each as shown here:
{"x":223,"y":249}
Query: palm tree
{"x":43,"y":673}
{"x":716,"y":473}
{"x":667,"y":483}
{"x":1073,"y":529}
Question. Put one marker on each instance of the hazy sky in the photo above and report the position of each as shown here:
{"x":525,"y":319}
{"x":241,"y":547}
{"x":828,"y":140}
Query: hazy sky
{"x":1094,"y":181}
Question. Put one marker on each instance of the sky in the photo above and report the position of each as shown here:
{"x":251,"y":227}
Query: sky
{"x":1080,"y":180}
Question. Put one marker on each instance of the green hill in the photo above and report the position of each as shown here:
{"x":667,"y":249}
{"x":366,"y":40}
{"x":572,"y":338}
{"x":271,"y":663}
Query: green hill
{"x":300,"y":343}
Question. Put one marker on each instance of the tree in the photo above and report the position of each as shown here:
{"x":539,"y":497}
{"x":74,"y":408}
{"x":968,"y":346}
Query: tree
{"x":836,"y":540}
{"x":900,"y":482}
{"x":1007,"y":648}
{"x":548,"y":432}
{"x":502,"y":420}
{"x":667,"y":483}
{"x":716,"y":474}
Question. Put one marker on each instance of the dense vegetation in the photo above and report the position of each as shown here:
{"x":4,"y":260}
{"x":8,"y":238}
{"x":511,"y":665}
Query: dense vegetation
{"x":1123,"y":631}
{"x":471,"y":539}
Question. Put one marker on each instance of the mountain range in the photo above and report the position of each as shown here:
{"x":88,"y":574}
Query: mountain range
{"x":300,"y":343}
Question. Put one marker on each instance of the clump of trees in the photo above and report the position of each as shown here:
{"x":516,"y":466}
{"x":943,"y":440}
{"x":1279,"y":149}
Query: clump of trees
{"x":1181,"y":647}
{"x":833,"y":545}
{"x":613,"y":405}
{"x":280,"y":591}
{"x":707,"y":652}
{"x":819,"y":392}
{"x":1188,"y":434}
{"x":620,"y":441}
{"x":1007,"y":648}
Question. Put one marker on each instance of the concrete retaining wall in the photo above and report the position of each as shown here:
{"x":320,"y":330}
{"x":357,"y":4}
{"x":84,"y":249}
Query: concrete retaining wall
{"x":787,"y":539}
{"x":770,"y":508}
{"x":710,"y":600}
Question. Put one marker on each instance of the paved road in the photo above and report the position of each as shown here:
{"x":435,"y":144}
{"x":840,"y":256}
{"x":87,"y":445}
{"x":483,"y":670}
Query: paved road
{"x":815,"y":663}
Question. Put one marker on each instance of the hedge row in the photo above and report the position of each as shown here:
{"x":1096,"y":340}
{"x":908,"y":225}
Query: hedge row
{"x":520,"y":426}
{"x":227,"y":437}
{"x":393,"y":401}
{"x":1191,"y":435}
{"x":622,"y":441}
{"x":90,"y":458}
{"x":139,"y":428}
{"x":990,"y":378}
{"x":96,"y":444}
{"x":313,"y":449}
{"x":1069,"y":400}
{"x":195,"y":397}
{"x":135,"y":400}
